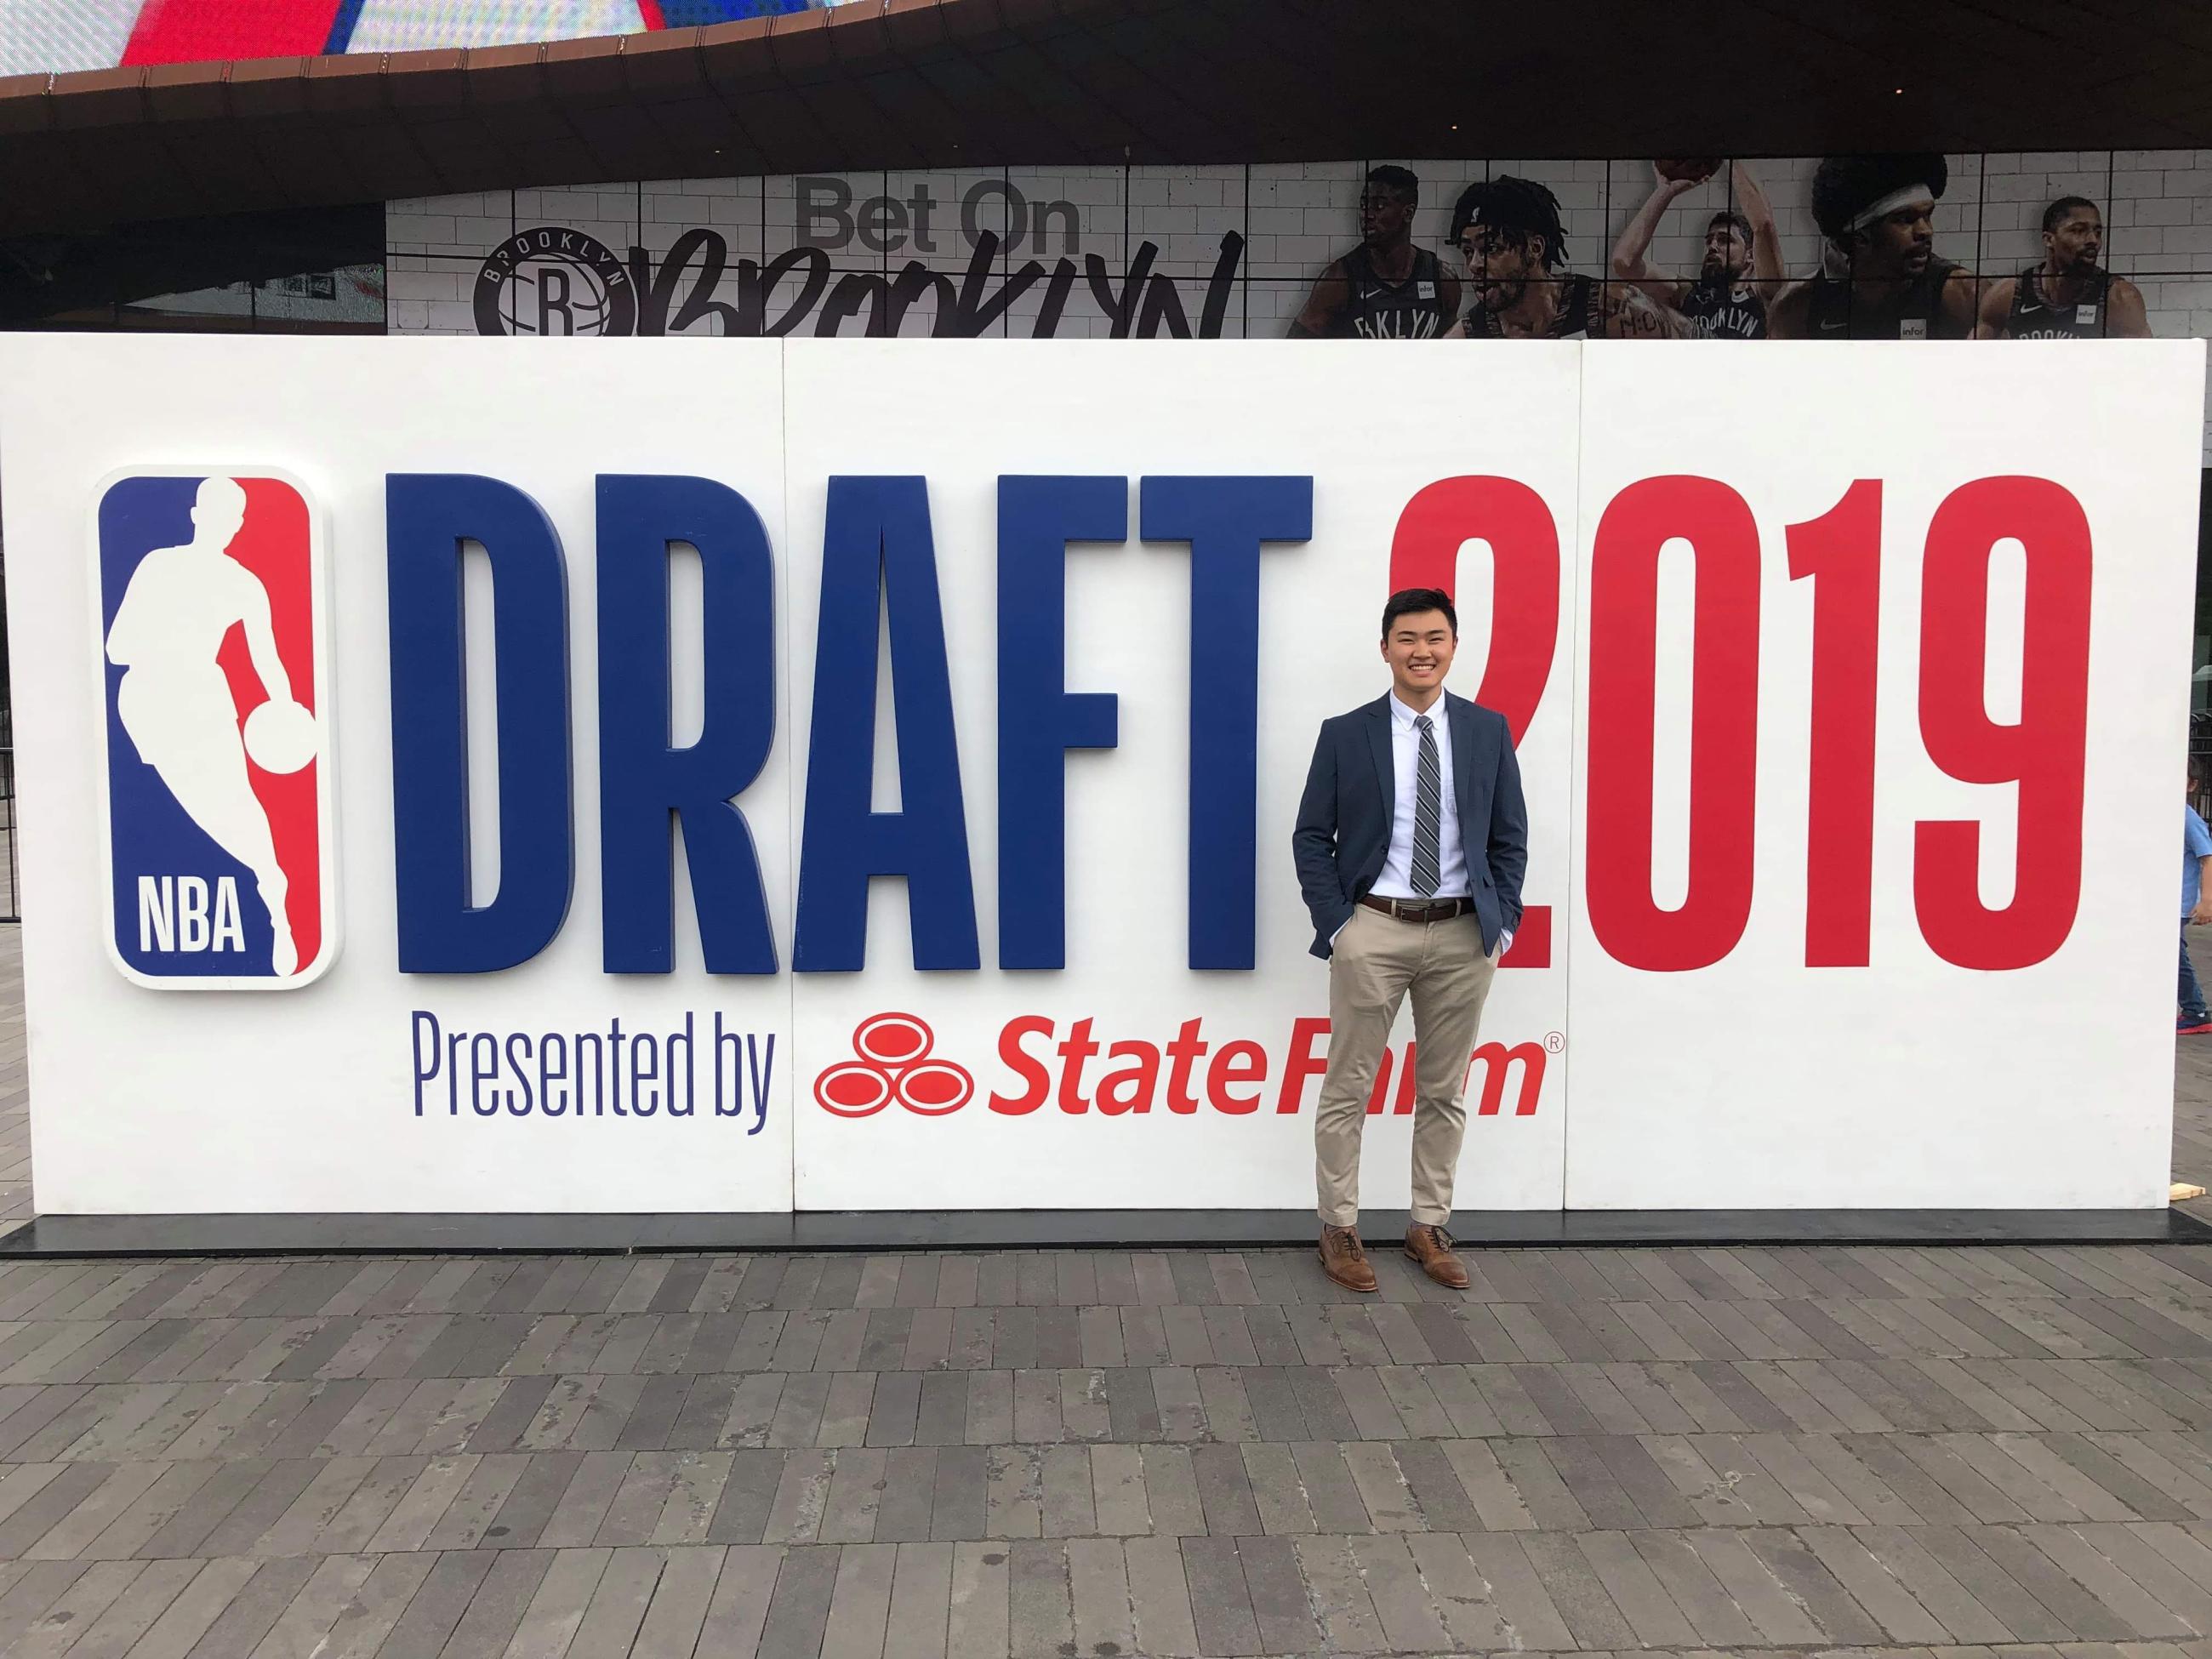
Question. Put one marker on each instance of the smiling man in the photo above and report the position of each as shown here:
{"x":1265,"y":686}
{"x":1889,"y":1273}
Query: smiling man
{"x":1411,"y":840}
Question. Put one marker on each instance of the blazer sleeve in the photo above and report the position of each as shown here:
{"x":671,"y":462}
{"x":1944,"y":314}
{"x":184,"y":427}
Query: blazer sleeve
{"x":1313,"y":841}
{"x":1509,"y":829}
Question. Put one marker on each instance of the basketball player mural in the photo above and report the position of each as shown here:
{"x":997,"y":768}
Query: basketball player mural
{"x":1386,"y":288}
{"x":1509,"y":233}
{"x":176,"y":702}
{"x":2069,"y":296}
{"x":1881,"y":277}
{"x":1742,"y":270}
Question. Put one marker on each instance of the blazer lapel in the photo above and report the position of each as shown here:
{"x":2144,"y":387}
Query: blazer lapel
{"x":1462,"y":739}
{"x":1378,"y":742}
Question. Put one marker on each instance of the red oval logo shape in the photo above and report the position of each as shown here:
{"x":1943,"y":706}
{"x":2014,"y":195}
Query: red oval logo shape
{"x":891,"y":1039}
{"x":853,"y":1088}
{"x":934,"y":1087}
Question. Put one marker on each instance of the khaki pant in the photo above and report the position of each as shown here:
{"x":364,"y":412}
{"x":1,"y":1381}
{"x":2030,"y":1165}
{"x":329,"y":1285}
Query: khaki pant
{"x":1376,"y":962}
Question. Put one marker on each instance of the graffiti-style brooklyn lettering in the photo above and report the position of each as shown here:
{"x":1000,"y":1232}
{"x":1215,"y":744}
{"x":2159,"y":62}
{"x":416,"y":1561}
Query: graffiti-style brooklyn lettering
{"x":550,"y":280}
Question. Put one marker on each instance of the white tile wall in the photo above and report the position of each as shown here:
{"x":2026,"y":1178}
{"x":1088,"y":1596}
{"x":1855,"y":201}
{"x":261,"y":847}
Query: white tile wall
{"x":1184,"y":212}
{"x":731,"y":207}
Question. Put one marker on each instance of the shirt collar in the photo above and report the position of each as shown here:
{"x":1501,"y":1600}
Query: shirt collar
{"x":1402,"y":718}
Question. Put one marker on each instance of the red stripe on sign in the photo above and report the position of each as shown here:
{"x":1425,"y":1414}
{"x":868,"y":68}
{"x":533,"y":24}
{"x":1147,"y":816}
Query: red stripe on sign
{"x":203,"y":31}
{"x":649,"y":14}
{"x":275,"y":544}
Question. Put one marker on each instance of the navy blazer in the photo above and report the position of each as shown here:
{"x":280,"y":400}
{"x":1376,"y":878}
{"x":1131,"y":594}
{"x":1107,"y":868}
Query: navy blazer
{"x":1345,"y":817}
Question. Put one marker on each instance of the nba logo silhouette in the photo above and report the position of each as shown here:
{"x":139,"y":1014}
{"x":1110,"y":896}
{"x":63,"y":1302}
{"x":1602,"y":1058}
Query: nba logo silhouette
{"x":221,"y":871}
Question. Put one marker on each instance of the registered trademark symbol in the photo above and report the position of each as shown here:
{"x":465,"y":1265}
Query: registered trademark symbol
{"x":1554,"y":1042}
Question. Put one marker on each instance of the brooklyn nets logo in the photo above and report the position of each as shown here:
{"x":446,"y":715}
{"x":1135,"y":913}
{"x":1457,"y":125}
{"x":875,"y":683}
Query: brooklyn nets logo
{"x":550,"y":280}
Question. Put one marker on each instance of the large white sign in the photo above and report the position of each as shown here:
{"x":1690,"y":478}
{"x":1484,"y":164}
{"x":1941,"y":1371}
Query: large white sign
{"x":860,"y":775}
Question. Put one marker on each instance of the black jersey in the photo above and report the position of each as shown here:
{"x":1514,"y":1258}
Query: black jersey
{"x":1382,"y":310}
{"x":1840,"y":313}
{"x":1579,"y":318}
{"x":1725,"y":311}
{"x":2034,"y":317}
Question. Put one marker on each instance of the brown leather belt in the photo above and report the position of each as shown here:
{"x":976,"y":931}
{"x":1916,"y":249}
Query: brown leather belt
{"x":1420,"y":910}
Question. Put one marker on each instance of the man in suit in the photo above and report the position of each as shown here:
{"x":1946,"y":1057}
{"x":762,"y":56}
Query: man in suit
{"x":1411,"y":842}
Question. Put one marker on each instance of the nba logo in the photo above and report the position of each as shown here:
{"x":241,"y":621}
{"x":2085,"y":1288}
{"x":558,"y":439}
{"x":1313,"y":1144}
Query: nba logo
{"x":221,"y":870}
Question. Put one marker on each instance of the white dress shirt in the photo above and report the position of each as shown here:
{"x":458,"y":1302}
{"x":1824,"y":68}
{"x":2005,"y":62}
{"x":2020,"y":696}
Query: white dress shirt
{"x":1396,"y":880}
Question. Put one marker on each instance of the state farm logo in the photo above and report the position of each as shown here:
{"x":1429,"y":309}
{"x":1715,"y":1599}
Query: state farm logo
{"x":1070,"y":1067}
{"x":894,"y":1064}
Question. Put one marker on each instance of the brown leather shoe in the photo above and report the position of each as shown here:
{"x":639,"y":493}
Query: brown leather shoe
{"x":1345,"y":1260}
{"x":1432,"y":1247}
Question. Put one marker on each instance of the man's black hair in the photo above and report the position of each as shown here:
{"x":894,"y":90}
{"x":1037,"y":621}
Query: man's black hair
{"x":1742,"y":225}
{"x":1412,"y":601}
{"x":1846,"y":186}
{"x":1401,"y":180}
{"x":2064,"y":205}
{"x":1517,"y":209}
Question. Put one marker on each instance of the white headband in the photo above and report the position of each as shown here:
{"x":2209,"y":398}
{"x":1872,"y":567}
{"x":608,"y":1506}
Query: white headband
{"x":1903,"y":196}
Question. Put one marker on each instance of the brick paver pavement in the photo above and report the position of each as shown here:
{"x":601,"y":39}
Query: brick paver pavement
{"x":1972,"y":1451}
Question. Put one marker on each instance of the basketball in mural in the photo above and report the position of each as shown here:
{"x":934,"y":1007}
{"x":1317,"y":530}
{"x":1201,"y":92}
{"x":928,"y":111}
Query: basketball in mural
{"x":556,"y":293}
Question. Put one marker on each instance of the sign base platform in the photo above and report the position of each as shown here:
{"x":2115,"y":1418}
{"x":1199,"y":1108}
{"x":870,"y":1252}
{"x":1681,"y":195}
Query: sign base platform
{"x":432,"y":1234}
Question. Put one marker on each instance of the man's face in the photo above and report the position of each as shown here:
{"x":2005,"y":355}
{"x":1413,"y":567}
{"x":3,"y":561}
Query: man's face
{"x":2076,"y":241}
{"x":1498,"y":270}
{"x":1902,"y":240}
{"x":1728,"y":256}
{"x":1418,"y":649}
{"x":1386,"y":214}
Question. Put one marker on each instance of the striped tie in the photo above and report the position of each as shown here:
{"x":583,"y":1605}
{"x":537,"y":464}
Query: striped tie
{"x":1428,"y":813}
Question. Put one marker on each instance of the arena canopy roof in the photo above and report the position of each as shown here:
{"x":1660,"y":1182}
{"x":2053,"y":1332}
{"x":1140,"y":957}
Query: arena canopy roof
{"x":934,"y":83}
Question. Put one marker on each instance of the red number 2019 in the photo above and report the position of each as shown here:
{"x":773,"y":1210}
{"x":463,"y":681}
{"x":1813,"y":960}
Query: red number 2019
{"x":1838,"y":555}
